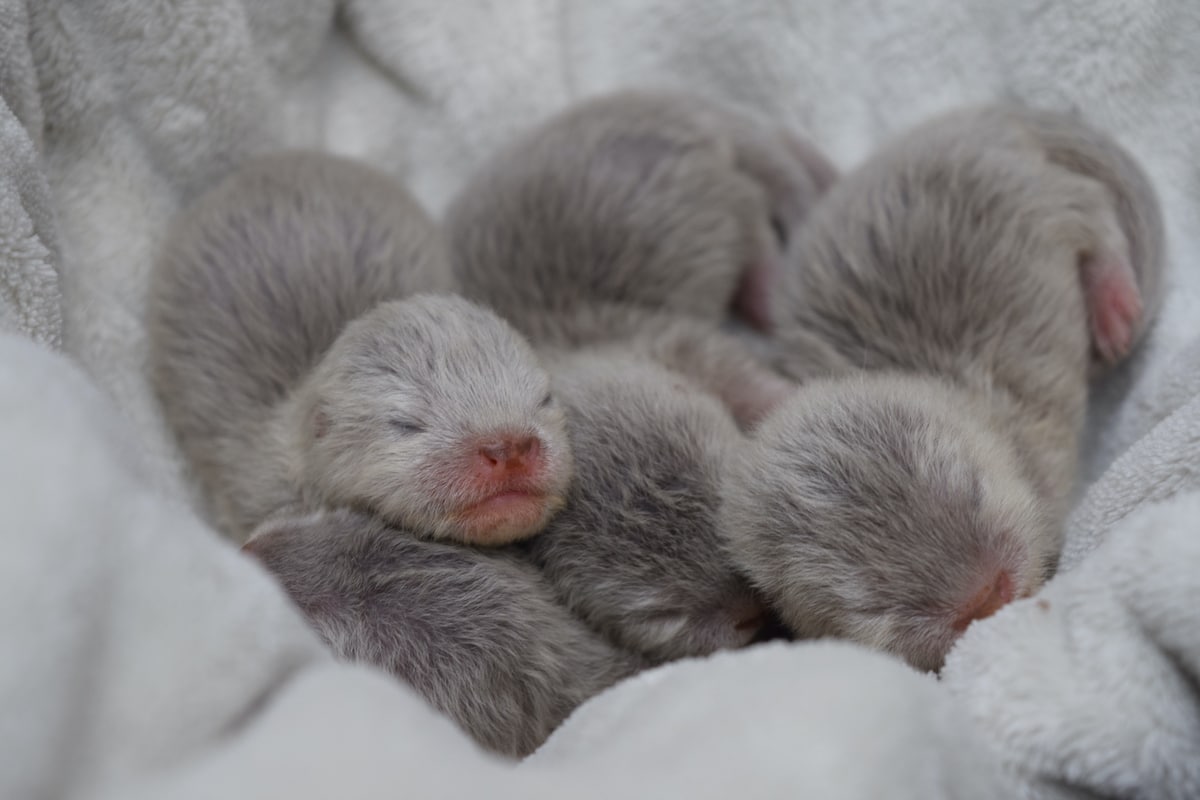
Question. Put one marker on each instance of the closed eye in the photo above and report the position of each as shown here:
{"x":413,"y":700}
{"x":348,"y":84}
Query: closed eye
{"x":406,"y":426}
{"x":547,"y":400}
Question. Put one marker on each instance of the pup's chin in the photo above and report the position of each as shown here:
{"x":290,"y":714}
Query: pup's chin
{"x":504,"y":518}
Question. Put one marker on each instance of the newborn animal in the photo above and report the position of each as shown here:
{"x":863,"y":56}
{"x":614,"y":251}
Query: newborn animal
{"x":657,"y":199}
{"x":289,"y":372}
{"x":636,"y":552}
{"x":877,"y":507}
{"x":477,"y":632}
{"x":972,"y":266}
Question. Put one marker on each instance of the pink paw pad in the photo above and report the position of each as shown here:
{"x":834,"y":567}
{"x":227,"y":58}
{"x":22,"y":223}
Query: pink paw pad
{"x":1114,"y":306}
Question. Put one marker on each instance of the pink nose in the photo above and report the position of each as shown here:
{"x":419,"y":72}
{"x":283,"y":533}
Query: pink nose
{"x":510,"y":453}
{"x":996,"y":594}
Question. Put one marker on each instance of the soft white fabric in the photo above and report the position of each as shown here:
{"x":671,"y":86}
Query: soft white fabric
{"x":1095,"y":683}
{"x":29,"y":296}
{"x":145,"y":655}
{"x":1163,"y":463}
{"x":820,"y":719}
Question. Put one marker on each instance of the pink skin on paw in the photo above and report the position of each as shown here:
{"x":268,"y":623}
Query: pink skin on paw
{"x":1114,"y":305}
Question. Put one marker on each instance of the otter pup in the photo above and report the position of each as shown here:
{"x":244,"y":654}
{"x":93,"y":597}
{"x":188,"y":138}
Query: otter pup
{"x":654,"y":198}
{"x":990,"y":256}
{"x":477,"y":632}
{"x":289,"y":370}
{"x":877,"y":507}
{"x":637,"y":551}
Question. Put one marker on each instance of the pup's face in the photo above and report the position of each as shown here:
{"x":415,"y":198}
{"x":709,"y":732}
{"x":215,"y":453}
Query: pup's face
{"x":876,"y":510}
{"x":436,"y":415}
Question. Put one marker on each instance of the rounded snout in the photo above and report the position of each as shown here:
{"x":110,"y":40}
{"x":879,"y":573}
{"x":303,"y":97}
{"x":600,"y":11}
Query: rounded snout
{"x":507,"y":455}
{"x":997,"y":592}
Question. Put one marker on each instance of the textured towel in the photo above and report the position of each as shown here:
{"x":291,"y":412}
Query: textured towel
{"x":29,"y":296}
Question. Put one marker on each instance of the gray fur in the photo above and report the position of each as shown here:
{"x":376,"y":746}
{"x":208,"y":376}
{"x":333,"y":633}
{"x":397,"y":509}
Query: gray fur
{"x":1075,"y":145}
{"x":289,"y":371}
{"x":477,"y":632}
{"x":658,"y":199}
{"x":953,"y":255}
{"x":716,"y":361}
{"x":871,"y":506}
{"x":636,"y":551}
{"x":956,"y":251}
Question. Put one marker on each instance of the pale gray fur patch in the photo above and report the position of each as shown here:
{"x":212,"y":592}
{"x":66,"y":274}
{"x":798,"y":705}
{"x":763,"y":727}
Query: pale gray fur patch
{"x":867,"y":505}
{"x":654,"y":198}
{"x":406,"y":395}
{"x":955,"y":251}
{"x":478,"y":633}
{"x":250,"y":318}
{"x":716,"y":361}
{"x":637,"y":551}
{"x":1073,"y":144}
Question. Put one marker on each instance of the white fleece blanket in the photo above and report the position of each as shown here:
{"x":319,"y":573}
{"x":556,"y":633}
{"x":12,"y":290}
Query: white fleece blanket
{"x":144,"y":657}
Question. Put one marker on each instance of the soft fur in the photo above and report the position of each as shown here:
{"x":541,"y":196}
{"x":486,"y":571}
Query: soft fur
{"x":144,"y":659}
{"x":871,"y":507}
{"x":636,"y":551}
{"x":393,"y":417}
{"x":637,"y":218}
{"x":957,"y":251}
{"x":957,"y":254}
{"x":478,"y":633}
{"x":715,"y":360}
{"x":659,"y":199}
{"x":289,"y":372}
{"x":1069,"y":143}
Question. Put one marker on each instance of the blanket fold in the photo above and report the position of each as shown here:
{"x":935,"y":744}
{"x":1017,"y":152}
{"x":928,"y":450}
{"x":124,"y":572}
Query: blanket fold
{"x":125,"y":650}
{"x":29,"y":291}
